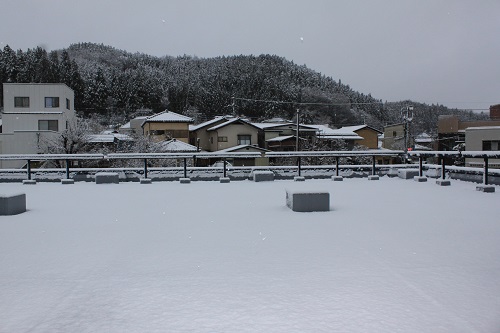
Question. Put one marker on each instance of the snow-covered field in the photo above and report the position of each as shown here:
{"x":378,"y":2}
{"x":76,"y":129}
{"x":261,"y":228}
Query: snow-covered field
{"x":391,"y":256}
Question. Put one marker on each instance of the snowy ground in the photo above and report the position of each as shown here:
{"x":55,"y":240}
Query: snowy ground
{"x":391,"y":256}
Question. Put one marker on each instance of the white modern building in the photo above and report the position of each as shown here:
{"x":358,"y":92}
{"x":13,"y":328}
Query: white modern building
{"x":33,"y":112}
{"x":485,"y":138}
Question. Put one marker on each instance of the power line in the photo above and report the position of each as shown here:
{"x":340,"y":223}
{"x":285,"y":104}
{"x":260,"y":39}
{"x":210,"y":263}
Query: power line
{"x":304,"y":103}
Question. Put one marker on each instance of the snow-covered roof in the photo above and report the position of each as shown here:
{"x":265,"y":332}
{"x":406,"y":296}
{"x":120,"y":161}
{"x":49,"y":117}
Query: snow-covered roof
{"x":174,"y":145}
{"x":357,"y":128}
{"x":229,"y":122}
{"x":482,"y":128}
{"x":169,"y":117}
{"x":423,"y":138}
{"x":281,"y":138}
{"x":108,"y":137}
{"x":125,"y":126}
{"x":344,"y":133}
{"x":267,"y":126}
{"x":240,"y":147}
{"x":208,"y":123}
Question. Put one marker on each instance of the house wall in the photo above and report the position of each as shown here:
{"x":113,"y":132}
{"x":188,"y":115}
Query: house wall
{"x":393,"y":134}
{"x":231,"y":132}
{"x":370,"y":138}
{"x":474,"y":142}
{"x":24,"y":142}
{"x":26,"y":118}
{"x":179,"y":131}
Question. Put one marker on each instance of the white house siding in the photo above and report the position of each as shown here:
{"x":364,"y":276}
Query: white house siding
{"x":474,"y":137}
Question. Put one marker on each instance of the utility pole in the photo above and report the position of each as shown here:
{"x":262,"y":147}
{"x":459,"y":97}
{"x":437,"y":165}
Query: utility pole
{"x":407,"y":115}
{"x":297,"y":130}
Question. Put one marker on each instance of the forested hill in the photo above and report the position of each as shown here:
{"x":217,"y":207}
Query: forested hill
{"x":117,"y":83}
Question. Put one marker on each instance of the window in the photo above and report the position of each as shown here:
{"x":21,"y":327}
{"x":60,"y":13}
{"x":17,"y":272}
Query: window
{"x":21,"y":102}
{"x":68,"y":104}
{"x":222,"y":139}
{"x":51,"y":102}
{"x":394,"y":133}
{"x":157,"y":132}
{"x":244,"y":139}
{"x":491,"y":145}
{"x":48,"y":125}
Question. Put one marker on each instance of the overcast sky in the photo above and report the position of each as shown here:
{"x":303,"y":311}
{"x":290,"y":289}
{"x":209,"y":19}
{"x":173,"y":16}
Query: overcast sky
{"x":433,"y":51}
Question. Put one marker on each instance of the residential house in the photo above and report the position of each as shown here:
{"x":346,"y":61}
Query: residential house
{"x":200,"y":137}
{"x":486,"y":138}
{"x":271,"y":134}
{"x":394,"y":137}
{"x":167,"y":125}
{"x":230,"y":133}
{"x":33,"y":113}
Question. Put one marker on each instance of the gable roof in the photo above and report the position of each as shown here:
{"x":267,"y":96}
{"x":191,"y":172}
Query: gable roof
{"x":208,"y":123}
{"x":358,"y":127}
{"x":177,"y":146}
{"x":232,"y":121}
{"x":240,"y":147}
{"x":278,"y":126}
{"x":168,"y":117}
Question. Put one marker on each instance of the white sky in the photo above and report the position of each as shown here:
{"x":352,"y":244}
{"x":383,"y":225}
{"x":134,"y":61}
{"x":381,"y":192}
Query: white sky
{"x":434,"y":51}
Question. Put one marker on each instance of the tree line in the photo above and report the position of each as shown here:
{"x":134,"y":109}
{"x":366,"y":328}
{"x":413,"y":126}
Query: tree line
{"x":115,"y":84}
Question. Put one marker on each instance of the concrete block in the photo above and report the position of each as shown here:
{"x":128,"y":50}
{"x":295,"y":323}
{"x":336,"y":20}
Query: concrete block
{"x":263,"y":176}
{"x":420,"y":179}
{"x":307,"y":201}
{"x":107,"y":178}
{"x":29,"y":182}
{"x":12,"y":204}
{"x":373,"y":177}
{"x":337,"y":178}
{"x":485,"y":188}
{"x":443,"y":182}
{"x":225,"y":180}
{"x":184,"y":180}
{"x":408,"y":173}
{"x":67,"y":181}
{"x":392,"y":173}
{"x":145,"y":181}
{"x":299,"y":179}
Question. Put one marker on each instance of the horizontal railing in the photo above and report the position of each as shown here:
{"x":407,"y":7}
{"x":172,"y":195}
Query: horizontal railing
{"x":486,"y":155}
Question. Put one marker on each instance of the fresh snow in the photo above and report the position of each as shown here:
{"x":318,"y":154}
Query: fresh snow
{"x":391,"y":256}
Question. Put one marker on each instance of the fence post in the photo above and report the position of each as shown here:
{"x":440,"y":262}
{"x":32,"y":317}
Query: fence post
{"x":485,"y":176}
{"x":67,"y":169}
{"x":29,"y":169}
{"x":336,"y":166}
{"x":420,"y":173}
{"x":298,"y":164}
{"x":185,"y":167}
{"x":373,"y":165}
{"x":224,"y":163}
{"x":443,"y":171}
{"x":145,"y":168}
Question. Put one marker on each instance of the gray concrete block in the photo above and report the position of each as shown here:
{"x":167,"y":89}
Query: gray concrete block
{"x":263,"y":176}
{"x":67,"y":181}
{"x":485,"y":188}
{"x":224,"y":180}
{"x":420,"y":179}
{"x":408,"y":173}
{"x":299,"y":179}
{"x":443,"y":182}
{"x":392,"y":173}
{"x":337,"y":178}
{"x":373,"y":177}
{"x":145,"y":181}
{"x":185,"y":180}
{"x":12,"y":204}
{"x":307,"y":201}
{"x":107,"y":178}
{"x":29,"y":182}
